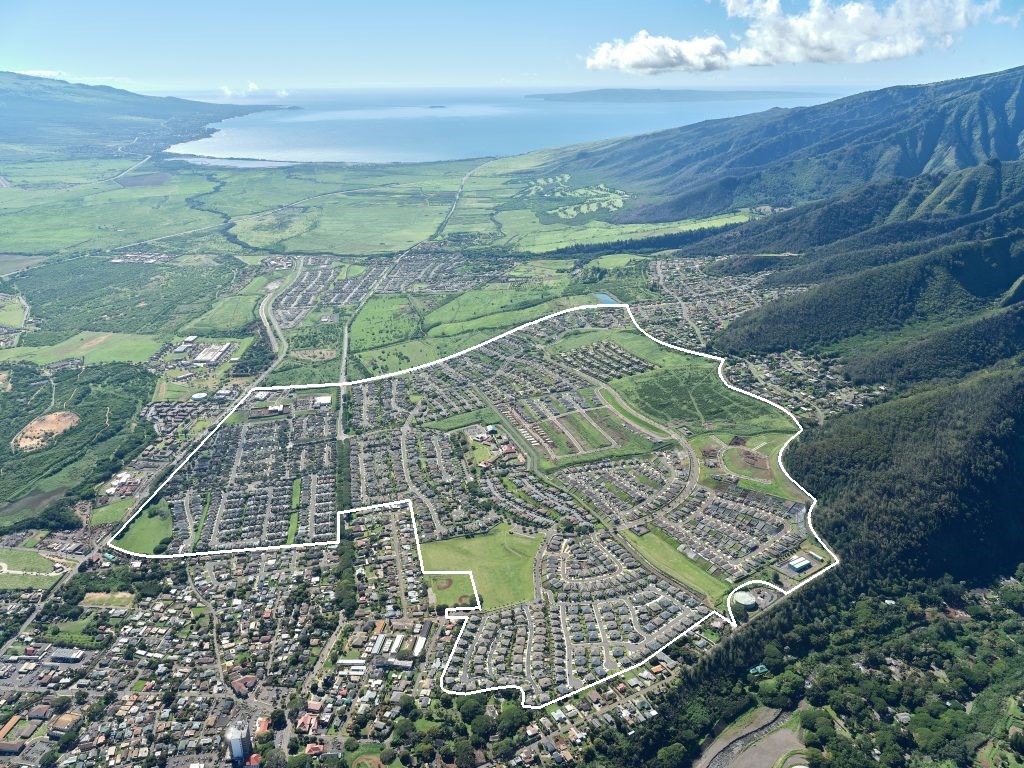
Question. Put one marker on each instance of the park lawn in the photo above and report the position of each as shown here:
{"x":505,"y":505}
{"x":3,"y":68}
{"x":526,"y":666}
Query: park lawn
{"x":113,"y":512}
{"x":485,"y":415}
{"x":366,"y":756}
{"x":454,"y":590}
{"x":92,"y":346}
{"x":12,"y":314}
{"x":152,"y":526}
{"x":293,"y":526}
{"x":733,"y":457}
{"x":659,"y":549}
{"x":502,"y":563}
{"x":25,"y":560}
{"x":769,"y":444}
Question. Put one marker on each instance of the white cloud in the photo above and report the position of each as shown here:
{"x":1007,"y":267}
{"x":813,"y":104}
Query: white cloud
{"x":227,"y":92}
{"x":251,"y":87}
{"x":852,"y":32}
{"x":282,"y":93}
{"x":54,"y":74}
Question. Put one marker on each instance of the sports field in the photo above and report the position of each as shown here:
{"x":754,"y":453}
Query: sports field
{"x":501,"y":561}
{"x":23,"y":569}
{"x":455,"y":590}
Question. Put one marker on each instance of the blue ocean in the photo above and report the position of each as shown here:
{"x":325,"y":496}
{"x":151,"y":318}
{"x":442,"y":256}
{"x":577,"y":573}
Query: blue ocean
{"x":416,"y":126}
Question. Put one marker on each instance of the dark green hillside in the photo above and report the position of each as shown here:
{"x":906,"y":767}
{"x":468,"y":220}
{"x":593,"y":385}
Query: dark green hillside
{"x":952,"y":281}
{"x":924,"y":484}
{"x":53,"y":117}
{"x":949,"y":353}
{"x":784,"y":157}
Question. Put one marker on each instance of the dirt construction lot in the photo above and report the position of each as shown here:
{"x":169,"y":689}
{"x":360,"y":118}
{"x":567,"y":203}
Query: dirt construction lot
{"x":38,"y":431}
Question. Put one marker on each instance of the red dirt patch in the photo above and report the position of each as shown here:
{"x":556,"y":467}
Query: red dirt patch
{"x":37,"y":432}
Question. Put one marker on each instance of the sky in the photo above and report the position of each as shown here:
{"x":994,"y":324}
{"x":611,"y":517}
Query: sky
{"x":254,"y":49}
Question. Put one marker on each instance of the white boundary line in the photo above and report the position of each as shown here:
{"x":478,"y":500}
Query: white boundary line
{"x":462,"y":613}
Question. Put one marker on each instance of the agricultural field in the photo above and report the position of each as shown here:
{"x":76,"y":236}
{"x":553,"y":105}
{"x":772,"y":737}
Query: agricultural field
{"x":508,"y":575}
{"x":93,"y":347}
{"x":93,"y":217}
{"x":11,"y":262}
{"x":230,"y":314}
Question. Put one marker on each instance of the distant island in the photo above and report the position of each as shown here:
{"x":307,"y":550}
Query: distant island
{"x":647,"y":95}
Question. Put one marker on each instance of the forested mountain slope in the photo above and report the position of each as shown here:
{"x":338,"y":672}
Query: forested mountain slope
{"x":784,"y":157}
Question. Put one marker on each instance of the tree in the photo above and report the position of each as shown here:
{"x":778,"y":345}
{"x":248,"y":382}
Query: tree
{"x":465,"y":756}
{"x":278,"y":721}
{"x":274,"y":758}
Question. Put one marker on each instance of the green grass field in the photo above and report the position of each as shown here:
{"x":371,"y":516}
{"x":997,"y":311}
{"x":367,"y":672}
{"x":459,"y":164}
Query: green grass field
{"x":452,"y":591}
{"x":398,"y":357}
{"x":113,"y":512}
{"x":492,"y":299}
{"x":12,"y":314}
{"x":384,"y":320}
{"x":38,"y":570}
{"x":25,"y":560}
{"x":502,"y":563}
{"x":616,"y":260}
{"x":147,"y":530}
{"x":485,"y":415}
{"x":231,"y":313}
{"x":502,"y":321}
{"x":524,"y":231}
{"x":689,"y":393}
{"x":92,"y":346}
{"x":584,"y":431}
{"x":659,"y":549}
